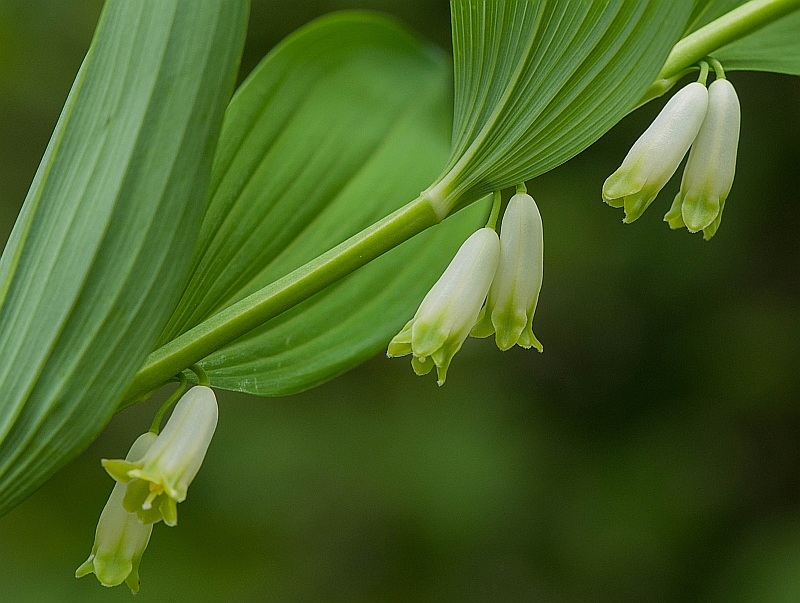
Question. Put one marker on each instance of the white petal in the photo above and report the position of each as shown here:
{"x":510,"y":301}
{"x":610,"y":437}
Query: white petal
{"x":516,"y":286}
{"x":662,"y":147}
{"x":655,"y":157}
{"x":453,"y":303}
{"x":519,"y":275}
{"x":712,"y":163}
{"x":179,"y":450}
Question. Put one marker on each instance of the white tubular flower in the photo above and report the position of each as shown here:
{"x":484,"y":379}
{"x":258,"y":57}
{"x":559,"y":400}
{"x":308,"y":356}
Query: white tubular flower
{"x":449,"y":310}
{"x":515,"y":289}
{"x":120,"y":539}
{"x":161,"y":478}
{"x":709,"y":173}
{"x":654,"y":158}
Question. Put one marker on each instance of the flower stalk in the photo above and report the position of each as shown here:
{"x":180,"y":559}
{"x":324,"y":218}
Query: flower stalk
{"x":734,"y":25}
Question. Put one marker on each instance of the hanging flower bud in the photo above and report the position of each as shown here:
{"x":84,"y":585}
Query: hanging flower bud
{"x":120,"y":539}
{"x":708,"y":177}
{"x":159,"y":480}
{"x":449,"y":310}
{"x":654,"y":158}
{"x":515,"y":289}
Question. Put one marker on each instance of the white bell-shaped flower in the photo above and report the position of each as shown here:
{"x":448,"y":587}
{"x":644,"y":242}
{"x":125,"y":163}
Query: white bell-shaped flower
{"x":708,"y":177}
{"x":120,"y":539}
{"x":161,"y":478}
{"x":515,"y":289}
{"x":655,"y":157}
{"x":449,"y":310}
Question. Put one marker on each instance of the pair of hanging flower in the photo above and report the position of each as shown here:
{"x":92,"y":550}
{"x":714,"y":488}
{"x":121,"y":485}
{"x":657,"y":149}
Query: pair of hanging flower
{"x":705,"y":119}
{"x":505,"y":272}
{"x":151,"y":481}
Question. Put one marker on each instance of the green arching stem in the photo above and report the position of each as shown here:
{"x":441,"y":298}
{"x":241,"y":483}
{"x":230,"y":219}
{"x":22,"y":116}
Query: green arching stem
{"x":202,"y":376}
{"x":522,"y":189}
{"x":274,"y":299}
{"x":703,"y":78}
{"x":731,"y":26}
{"x":497,"y":201}
{"x":155,"y":426}
{"x":719,"y":72}
{"x":425,"y":211}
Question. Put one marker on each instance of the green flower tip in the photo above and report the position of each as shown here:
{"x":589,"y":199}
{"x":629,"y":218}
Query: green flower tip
{"x":120,"y":539}
{"x":118,"y":469}
{"x":111,"y":571}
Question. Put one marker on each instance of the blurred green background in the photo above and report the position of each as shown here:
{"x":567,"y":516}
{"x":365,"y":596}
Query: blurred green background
{"x":651,"y":454}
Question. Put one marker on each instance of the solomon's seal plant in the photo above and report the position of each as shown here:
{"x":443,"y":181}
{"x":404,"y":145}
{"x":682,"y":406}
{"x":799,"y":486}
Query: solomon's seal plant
{"x":174,"y":223}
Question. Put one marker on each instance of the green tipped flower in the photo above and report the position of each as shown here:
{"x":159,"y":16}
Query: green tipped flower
{"x":449,"y":310}
{"x":708,"y":177}
{"x":160,"y":479}
{"x":120,"y":539}
{"x":515,"y":289}
{"x":655,"y":157}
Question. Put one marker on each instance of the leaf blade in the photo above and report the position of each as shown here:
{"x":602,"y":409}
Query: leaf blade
{"x":579,"y":68}
{"x":341,"y":124}
{"x":97,"y":260}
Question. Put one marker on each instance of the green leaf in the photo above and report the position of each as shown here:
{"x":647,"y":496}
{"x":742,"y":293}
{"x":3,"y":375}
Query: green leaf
{"x":343,"y":123}
{"x":706,"y":11}
{"x":698,"y":14}
{"x":100,"y":251}
{"x":538,"y":81}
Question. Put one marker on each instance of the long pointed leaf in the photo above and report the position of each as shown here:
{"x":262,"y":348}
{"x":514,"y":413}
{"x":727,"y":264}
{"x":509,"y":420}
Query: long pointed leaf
{"x":101,"y":249}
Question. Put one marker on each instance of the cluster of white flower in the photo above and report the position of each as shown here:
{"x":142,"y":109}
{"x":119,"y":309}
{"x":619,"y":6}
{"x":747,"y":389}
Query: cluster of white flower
{"x":705,"y":119}
{"x":506,"y":269}
{"x":493,"y":283}
{"x":151,"y":481}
